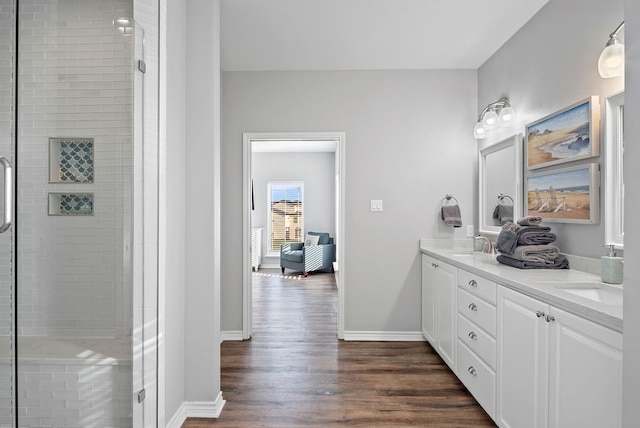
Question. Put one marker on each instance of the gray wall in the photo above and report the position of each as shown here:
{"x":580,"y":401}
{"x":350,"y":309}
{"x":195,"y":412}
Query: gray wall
{"x":202,"y":156}
{"x":552,"y":63}
{"x":191,"y":205}
{"x":315,"y":170}
{"x":408,"y":142}
{"x":174,"y":205}
{"x":631,"y":392}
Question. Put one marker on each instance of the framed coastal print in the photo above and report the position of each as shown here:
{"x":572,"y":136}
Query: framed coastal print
{"x":565,"y":195}
{"x":564,"y":136}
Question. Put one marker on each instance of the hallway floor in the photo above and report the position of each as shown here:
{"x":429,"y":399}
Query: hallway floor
{"x":294,"y":371}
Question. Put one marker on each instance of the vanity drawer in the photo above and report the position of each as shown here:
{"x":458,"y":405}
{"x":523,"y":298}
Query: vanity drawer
{"x":477,"y":311}
{"x":477,"y":340}
{"x":479,"y":379}
{"x":477,"y":285}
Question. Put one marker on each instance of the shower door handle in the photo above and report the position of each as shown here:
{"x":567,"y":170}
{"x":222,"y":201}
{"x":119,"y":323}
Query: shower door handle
{"x":8,"y":194}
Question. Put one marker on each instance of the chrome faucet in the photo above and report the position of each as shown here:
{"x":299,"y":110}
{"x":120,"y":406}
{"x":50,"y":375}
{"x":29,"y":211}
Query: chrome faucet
{"x":487,"y":245}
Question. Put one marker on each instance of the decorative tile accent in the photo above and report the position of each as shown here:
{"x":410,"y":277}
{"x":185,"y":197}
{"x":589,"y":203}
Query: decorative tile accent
{"x":70,"y":203}
{"x":71,"y":160}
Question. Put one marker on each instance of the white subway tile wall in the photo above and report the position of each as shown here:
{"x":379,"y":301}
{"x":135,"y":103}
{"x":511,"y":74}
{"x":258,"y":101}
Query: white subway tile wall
{"x":7,"y":51}
{"x":75,"y":80}
{"x":75,"y":395}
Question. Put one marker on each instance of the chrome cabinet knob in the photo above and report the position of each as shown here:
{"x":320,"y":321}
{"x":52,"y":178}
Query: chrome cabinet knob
{"x":473,"y":336}
{"x":472,"y":370}
{"x":539,"y":314}
{"x":550,"y":318}
{"x":473,"y":283}
{"x":473,"y":307}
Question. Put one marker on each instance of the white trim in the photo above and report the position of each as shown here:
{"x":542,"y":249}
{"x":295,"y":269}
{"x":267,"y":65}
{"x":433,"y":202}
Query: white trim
{"x":268,"y":266}
{"x":233,"y":335}
{"x":196,"y":409}
{"x":247,"y":138}
{"x":384,"y":336}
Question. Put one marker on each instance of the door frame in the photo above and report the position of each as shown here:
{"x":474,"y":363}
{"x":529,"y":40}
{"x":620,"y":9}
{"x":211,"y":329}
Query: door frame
{"x":247,"y":139}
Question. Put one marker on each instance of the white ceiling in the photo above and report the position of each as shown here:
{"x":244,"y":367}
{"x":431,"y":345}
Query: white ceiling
{"x":260,"y":35}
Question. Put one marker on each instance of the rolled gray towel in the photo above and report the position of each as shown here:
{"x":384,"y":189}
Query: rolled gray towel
{"x":507,"y":241}
{"x":560,"y":262}
{"x":532,"y":220}
{"x":514,"y":227}
{"x":536,"y":237}
{"x":451,"y":215}
{"x":536,"y":253}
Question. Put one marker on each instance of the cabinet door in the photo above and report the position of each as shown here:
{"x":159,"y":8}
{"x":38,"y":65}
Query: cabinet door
{"x":446,"y":312}
{"x":523,"y":356}
{"x":585,"y":373}
{"x":428,"y":299}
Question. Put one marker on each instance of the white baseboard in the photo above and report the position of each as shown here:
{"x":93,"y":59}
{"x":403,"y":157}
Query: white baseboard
{"x":196,"y":409}
{"x":269,"y":266}
{"x":230,"y":335}
{"x":384,"y":336}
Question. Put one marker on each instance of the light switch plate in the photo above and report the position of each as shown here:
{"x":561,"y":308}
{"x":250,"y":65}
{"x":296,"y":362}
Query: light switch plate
{"x":469,"y":230}
{"x":376,"y":205}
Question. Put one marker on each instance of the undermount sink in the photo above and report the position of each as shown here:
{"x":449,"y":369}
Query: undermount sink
{"x":596,"y":291}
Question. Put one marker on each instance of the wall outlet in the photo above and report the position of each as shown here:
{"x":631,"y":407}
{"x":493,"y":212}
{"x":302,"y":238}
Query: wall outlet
{"x":470,"y":230}
{"x":376,"y":205}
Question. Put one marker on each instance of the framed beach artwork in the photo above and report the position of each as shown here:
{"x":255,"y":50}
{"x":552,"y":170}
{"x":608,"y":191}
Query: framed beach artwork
{"x":567,"y":135}
{"x":565,"y":195}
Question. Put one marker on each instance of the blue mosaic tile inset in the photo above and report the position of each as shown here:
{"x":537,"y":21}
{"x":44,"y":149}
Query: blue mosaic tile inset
{"x":72,"y":204}
{"x":75,"y":160}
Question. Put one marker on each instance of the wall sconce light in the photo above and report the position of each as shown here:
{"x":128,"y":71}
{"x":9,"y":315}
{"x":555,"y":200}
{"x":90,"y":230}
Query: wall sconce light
{"x":497,"y":114}
{"x":611,"y":61}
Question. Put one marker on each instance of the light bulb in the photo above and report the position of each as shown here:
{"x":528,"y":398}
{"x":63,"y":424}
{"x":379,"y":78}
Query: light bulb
{"x":490,"y":119}
{"x":479,"y":131}
{"x":507,"y":116}
{"x":611,"y":61}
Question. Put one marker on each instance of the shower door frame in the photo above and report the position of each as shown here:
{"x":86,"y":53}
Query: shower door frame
{"x":148,"y":197}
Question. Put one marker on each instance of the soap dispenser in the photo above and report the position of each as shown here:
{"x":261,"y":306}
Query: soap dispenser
{"x":612,"y":267}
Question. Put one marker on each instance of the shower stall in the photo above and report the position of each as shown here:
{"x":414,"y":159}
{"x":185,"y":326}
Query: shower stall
{"x":78,"y":265}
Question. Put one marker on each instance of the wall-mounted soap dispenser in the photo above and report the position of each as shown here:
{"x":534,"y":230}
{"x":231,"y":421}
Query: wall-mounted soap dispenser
{"x":612,"y":267}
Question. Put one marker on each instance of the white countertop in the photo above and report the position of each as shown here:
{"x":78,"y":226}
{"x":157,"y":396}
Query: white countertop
{"x":556,"y":287}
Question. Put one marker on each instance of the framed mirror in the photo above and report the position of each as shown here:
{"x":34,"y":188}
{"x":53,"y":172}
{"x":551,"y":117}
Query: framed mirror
{"x":614,"y":182}
{"x":500,"y":184}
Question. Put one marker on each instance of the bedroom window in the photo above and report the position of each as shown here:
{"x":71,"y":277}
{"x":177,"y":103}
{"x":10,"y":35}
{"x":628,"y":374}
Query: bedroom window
{"x":286,"y":219}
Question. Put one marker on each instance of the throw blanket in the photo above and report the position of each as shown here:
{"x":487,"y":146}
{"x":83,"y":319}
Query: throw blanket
{"x":560,"y":262}
{"x":536,"y":253}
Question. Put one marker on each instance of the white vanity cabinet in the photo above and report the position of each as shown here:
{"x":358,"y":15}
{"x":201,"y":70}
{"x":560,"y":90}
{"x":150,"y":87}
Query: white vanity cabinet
{"x":476,"y":347}
{"x":439,"y":307}
{"x":555,"y":369}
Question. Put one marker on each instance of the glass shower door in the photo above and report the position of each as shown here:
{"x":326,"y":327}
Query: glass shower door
{"x":7,"y":296}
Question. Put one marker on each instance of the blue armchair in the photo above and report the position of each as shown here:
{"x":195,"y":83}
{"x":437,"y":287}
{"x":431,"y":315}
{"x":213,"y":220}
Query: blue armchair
{"x":307,"y":259}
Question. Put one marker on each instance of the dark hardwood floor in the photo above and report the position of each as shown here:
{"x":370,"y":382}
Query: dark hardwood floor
{"x":295,"y":372}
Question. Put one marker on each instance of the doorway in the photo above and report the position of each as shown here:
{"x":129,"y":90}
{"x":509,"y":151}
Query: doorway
{"x":303,"y":141}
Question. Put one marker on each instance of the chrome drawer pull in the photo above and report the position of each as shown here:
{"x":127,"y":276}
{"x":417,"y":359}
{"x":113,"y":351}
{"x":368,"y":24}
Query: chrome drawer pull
{"x":472,"y":370}
{"x":473,"y":336}
{"x":539,"y":314}
{"x":473,"y":307}
{"x":473,"y":283}
{"x":550,"y":318}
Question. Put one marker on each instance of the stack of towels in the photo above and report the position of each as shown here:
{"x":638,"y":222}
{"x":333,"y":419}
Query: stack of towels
{"x":527,"y":245}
